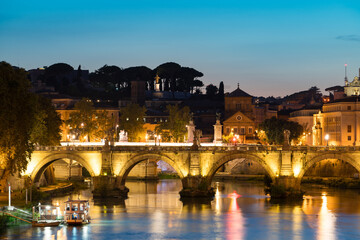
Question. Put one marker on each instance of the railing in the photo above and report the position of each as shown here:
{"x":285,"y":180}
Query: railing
{"x":202,"y":147}
{"x":18,"y":214}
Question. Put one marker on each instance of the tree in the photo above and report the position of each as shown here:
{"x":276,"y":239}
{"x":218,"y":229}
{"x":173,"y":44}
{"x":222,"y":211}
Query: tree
{"x":170,"y":72}
{"x":131,"y":120}
{"x":105,"y":126}
{"x":274,"y":130}
{"x":176,"y":125}
{"x":57,"y":75}
{"x":19,"y":128}
{"x":198,"y":84}
{"x":46,"y":129}
{"x":221,"y":91}
{"x":186,"y":79}
{"x":108,"y":78}
{"x":82,"y":120}
{"x":87,"y":124}
{"x":211,"y":91}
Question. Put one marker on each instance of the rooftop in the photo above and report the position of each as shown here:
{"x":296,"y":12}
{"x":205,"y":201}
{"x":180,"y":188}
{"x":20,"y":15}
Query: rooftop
{"x":238,"y":93}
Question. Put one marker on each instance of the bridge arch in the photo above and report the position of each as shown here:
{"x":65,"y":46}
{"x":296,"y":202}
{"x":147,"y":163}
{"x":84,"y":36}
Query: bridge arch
{"x":125,"y":170}
{"x":318,"y":158}
{"x":231,"y":157}
{"x":45,"y":162}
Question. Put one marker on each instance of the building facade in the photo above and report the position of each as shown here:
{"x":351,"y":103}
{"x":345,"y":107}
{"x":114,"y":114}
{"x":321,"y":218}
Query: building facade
{"x":241,"y":126}
{"x":305,"y":117}
{"x":339,"y":120}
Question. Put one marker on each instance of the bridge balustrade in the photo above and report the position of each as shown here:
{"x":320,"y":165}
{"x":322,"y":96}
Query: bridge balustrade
{"x":201,"y":148}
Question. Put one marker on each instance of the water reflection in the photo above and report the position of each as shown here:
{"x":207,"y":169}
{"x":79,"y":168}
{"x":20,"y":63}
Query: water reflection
{"x":297,"y":225}
{"x":326,"y":223}
{"x":238,"y":211}
{"x":234,"y":220}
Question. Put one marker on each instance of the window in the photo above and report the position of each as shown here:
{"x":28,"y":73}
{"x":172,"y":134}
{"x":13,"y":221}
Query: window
{"x":348,"y":107}
{"x":242,"y":130}
{"x":349,"y":128}
{"x":349,"y":138}
{"x":250,"y":130}
{"x":227,"y":130}
{"x":235,"y":130}
{"x":238,"y":106}
{"x":238,"y":117}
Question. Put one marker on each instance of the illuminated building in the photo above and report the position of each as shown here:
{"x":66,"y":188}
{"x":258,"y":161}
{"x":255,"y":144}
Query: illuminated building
{"x":242,"y":116}
{"x":340,"y":118}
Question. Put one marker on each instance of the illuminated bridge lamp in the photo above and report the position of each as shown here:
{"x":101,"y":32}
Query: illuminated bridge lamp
{"x":327,"y":139}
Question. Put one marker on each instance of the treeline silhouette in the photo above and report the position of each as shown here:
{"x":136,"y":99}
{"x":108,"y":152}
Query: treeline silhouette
{"x":113,"y":81}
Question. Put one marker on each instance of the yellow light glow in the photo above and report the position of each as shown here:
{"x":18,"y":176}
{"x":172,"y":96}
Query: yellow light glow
{"x":297,"y":170}
{"x":30,"y":167}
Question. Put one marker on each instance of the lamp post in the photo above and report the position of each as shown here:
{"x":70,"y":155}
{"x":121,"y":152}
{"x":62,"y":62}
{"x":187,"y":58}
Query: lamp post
{"x":159,"y":138}
{"x":116,"y":132}
{"x":9,"y":196}
{"x":155,"y":138}
{"x":327,"y":139}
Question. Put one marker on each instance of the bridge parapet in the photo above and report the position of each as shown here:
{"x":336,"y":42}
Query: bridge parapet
{"x":68,"y":148}
{"x":242,"y":147}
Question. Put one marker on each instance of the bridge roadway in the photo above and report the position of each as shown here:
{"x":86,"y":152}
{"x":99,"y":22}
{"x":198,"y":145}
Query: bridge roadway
{"x":109,"y":166}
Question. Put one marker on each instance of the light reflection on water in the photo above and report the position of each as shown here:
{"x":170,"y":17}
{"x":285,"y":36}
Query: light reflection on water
{"x":238,"y":211}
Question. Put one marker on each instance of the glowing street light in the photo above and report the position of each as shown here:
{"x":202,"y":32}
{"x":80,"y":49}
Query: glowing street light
{"x":327,"y":139}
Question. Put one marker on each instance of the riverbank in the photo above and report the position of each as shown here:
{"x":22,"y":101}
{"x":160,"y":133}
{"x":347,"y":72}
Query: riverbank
{"x":238,"y":177}
{"x":42,"y":194}
{"x":344,"y":183}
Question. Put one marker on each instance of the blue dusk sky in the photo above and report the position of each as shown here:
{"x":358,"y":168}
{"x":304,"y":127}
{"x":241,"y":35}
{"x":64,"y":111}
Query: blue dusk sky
{"x":271,"y":48}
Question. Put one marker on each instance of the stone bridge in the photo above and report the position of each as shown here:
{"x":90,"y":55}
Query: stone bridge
{"x":109,"y":166}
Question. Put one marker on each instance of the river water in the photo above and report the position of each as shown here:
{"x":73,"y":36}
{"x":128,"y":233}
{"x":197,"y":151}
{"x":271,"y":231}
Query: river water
{"x":240,"y":210}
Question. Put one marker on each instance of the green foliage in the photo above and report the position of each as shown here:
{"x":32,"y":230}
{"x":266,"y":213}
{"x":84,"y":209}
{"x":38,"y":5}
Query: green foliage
{"x":131,"y":120}
{"x":3,"y":222}
{"x":25,"y":120}
{"x":176,"y":125}
{"x":104,"y":125}
{"x":87,"y":123}
{"x":17,"y":117}
{"x":274,"y":130}
{"x":46,"y":129}
{"x":82,"y":120}
{"x":38,"y":196}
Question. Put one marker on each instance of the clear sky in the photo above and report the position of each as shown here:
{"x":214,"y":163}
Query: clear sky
{"x":271,"y":48}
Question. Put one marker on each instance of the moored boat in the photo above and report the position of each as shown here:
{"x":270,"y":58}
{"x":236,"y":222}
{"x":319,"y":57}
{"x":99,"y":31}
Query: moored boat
{"x":45,"y":224}
{"x":46,"y":216}
{"x":77,"y":212}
